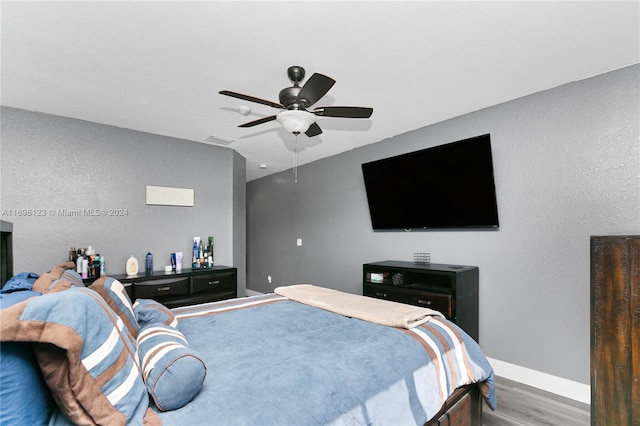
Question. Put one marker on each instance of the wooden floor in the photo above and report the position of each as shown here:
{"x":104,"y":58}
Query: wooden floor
{"x":520,"y":404}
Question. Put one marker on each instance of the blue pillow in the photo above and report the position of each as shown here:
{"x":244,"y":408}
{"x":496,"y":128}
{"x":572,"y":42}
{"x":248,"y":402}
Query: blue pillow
{"x":172,"y":372}
{"x":148,"y":311}
{"x":24,"y":395}
{"x":22,"y":281}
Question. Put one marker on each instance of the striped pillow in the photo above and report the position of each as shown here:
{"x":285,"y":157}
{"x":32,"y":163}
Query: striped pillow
{"x":173,"y":372}
{"x":73,"y":277}
{"x":69,"y":278}
{"x":46,"y":280}
{"x":116,"y":296}
{"x":148,"y":311}
{"x":85,"y":356}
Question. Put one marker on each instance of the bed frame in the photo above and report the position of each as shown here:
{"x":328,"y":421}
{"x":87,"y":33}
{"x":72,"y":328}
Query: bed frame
{"x":463,"y":408}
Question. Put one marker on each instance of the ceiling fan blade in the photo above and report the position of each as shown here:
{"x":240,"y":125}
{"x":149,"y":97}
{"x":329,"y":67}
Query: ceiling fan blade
{"x":315,"y":88}
{"x":344,"y":112}
{"x":314,"y":130}
{"x":251,"y":99}
{"x":259,"y":121}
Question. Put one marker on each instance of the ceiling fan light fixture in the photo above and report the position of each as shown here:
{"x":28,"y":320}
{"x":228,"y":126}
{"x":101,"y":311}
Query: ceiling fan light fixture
{"x":296,"y":121}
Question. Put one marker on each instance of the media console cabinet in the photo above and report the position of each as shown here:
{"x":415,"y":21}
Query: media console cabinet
{"x":188,"y":287}
{"x":450,"y":289}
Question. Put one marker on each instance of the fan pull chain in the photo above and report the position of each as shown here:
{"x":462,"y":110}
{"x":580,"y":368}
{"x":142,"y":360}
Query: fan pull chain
{"x":295,"y":160}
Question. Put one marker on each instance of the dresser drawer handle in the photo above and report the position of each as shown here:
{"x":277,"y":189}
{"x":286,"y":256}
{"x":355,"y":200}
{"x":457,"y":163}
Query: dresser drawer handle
{"x":424,"y":302}
{"x":159,"y":289}
{"x":214,"y":282}
{"x":381,"y":294}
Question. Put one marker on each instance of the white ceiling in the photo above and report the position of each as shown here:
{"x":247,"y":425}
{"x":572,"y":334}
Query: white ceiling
{"x":158,"y":66}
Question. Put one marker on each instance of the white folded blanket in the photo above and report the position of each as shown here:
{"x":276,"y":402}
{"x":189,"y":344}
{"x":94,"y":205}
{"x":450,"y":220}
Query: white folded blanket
{"x":384,"y":312}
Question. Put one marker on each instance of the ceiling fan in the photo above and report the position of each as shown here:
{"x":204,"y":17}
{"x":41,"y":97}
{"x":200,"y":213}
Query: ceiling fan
{"x":295,"y":101}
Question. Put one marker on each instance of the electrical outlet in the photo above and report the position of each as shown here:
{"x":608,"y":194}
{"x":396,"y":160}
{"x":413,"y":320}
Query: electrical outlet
{"x":269,"y":279}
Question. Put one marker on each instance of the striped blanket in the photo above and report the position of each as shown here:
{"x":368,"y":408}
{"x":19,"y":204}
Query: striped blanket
{"x":271,"y":360}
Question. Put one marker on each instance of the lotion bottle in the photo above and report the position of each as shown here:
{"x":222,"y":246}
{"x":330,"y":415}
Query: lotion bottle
{"x":132,"y":266}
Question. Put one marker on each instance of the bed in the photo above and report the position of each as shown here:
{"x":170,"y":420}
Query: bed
{"x":284,"y":358}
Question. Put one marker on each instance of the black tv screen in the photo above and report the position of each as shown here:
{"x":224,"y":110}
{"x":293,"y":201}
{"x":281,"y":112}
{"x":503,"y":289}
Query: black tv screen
{"x":447,"y":186}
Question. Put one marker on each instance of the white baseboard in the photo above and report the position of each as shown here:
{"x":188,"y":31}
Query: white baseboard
{"x":248,"y":293}
{"x":547,"y":382}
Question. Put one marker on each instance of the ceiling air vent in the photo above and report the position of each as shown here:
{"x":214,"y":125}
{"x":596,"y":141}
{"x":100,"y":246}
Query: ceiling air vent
{"x":220,"y":140}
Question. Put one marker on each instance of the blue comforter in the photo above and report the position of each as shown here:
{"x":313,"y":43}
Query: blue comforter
{"x":272,"y":361}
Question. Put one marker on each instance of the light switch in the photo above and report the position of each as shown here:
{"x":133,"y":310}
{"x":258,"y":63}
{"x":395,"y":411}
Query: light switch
{"x":299,"y":242}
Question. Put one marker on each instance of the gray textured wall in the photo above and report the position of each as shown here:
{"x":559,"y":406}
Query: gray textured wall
{"x":566,"y":167}
{"x":50,"y":163}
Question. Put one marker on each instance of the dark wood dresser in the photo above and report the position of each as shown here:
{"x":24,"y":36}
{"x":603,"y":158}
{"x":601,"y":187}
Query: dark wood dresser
{"x":615,"y":330}
{"x":189,"y":287}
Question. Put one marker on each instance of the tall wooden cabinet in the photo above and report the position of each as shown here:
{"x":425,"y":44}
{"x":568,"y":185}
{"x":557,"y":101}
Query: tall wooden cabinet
{"x":615,"y":330}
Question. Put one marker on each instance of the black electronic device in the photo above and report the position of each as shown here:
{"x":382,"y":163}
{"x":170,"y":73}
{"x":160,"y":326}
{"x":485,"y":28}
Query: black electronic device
{"x":446,"y":186}
{"x":6,"y":251}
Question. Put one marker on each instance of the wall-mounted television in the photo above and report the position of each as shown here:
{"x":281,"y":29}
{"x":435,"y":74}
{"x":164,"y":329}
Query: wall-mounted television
{"x":446,"y":186}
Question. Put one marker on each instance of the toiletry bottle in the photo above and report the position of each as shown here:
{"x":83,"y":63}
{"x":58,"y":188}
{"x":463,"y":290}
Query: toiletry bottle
{"x":85,"y":268}
{"x":194,"y":254}
{"x":92,"y":266}
{"x":79,"y":264}
{"x":178,"y":261}
{"x":102,"y":272}
{"x":149,"y":264}
{"x":211,"y":251}
{"x":132,"y":266}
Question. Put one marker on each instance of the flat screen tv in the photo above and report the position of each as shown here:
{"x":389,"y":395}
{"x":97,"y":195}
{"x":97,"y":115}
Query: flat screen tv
{"x":446,"y":186}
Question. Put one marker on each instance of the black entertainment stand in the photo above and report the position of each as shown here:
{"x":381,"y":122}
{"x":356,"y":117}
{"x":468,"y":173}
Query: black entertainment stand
{"x":450,"y":289}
